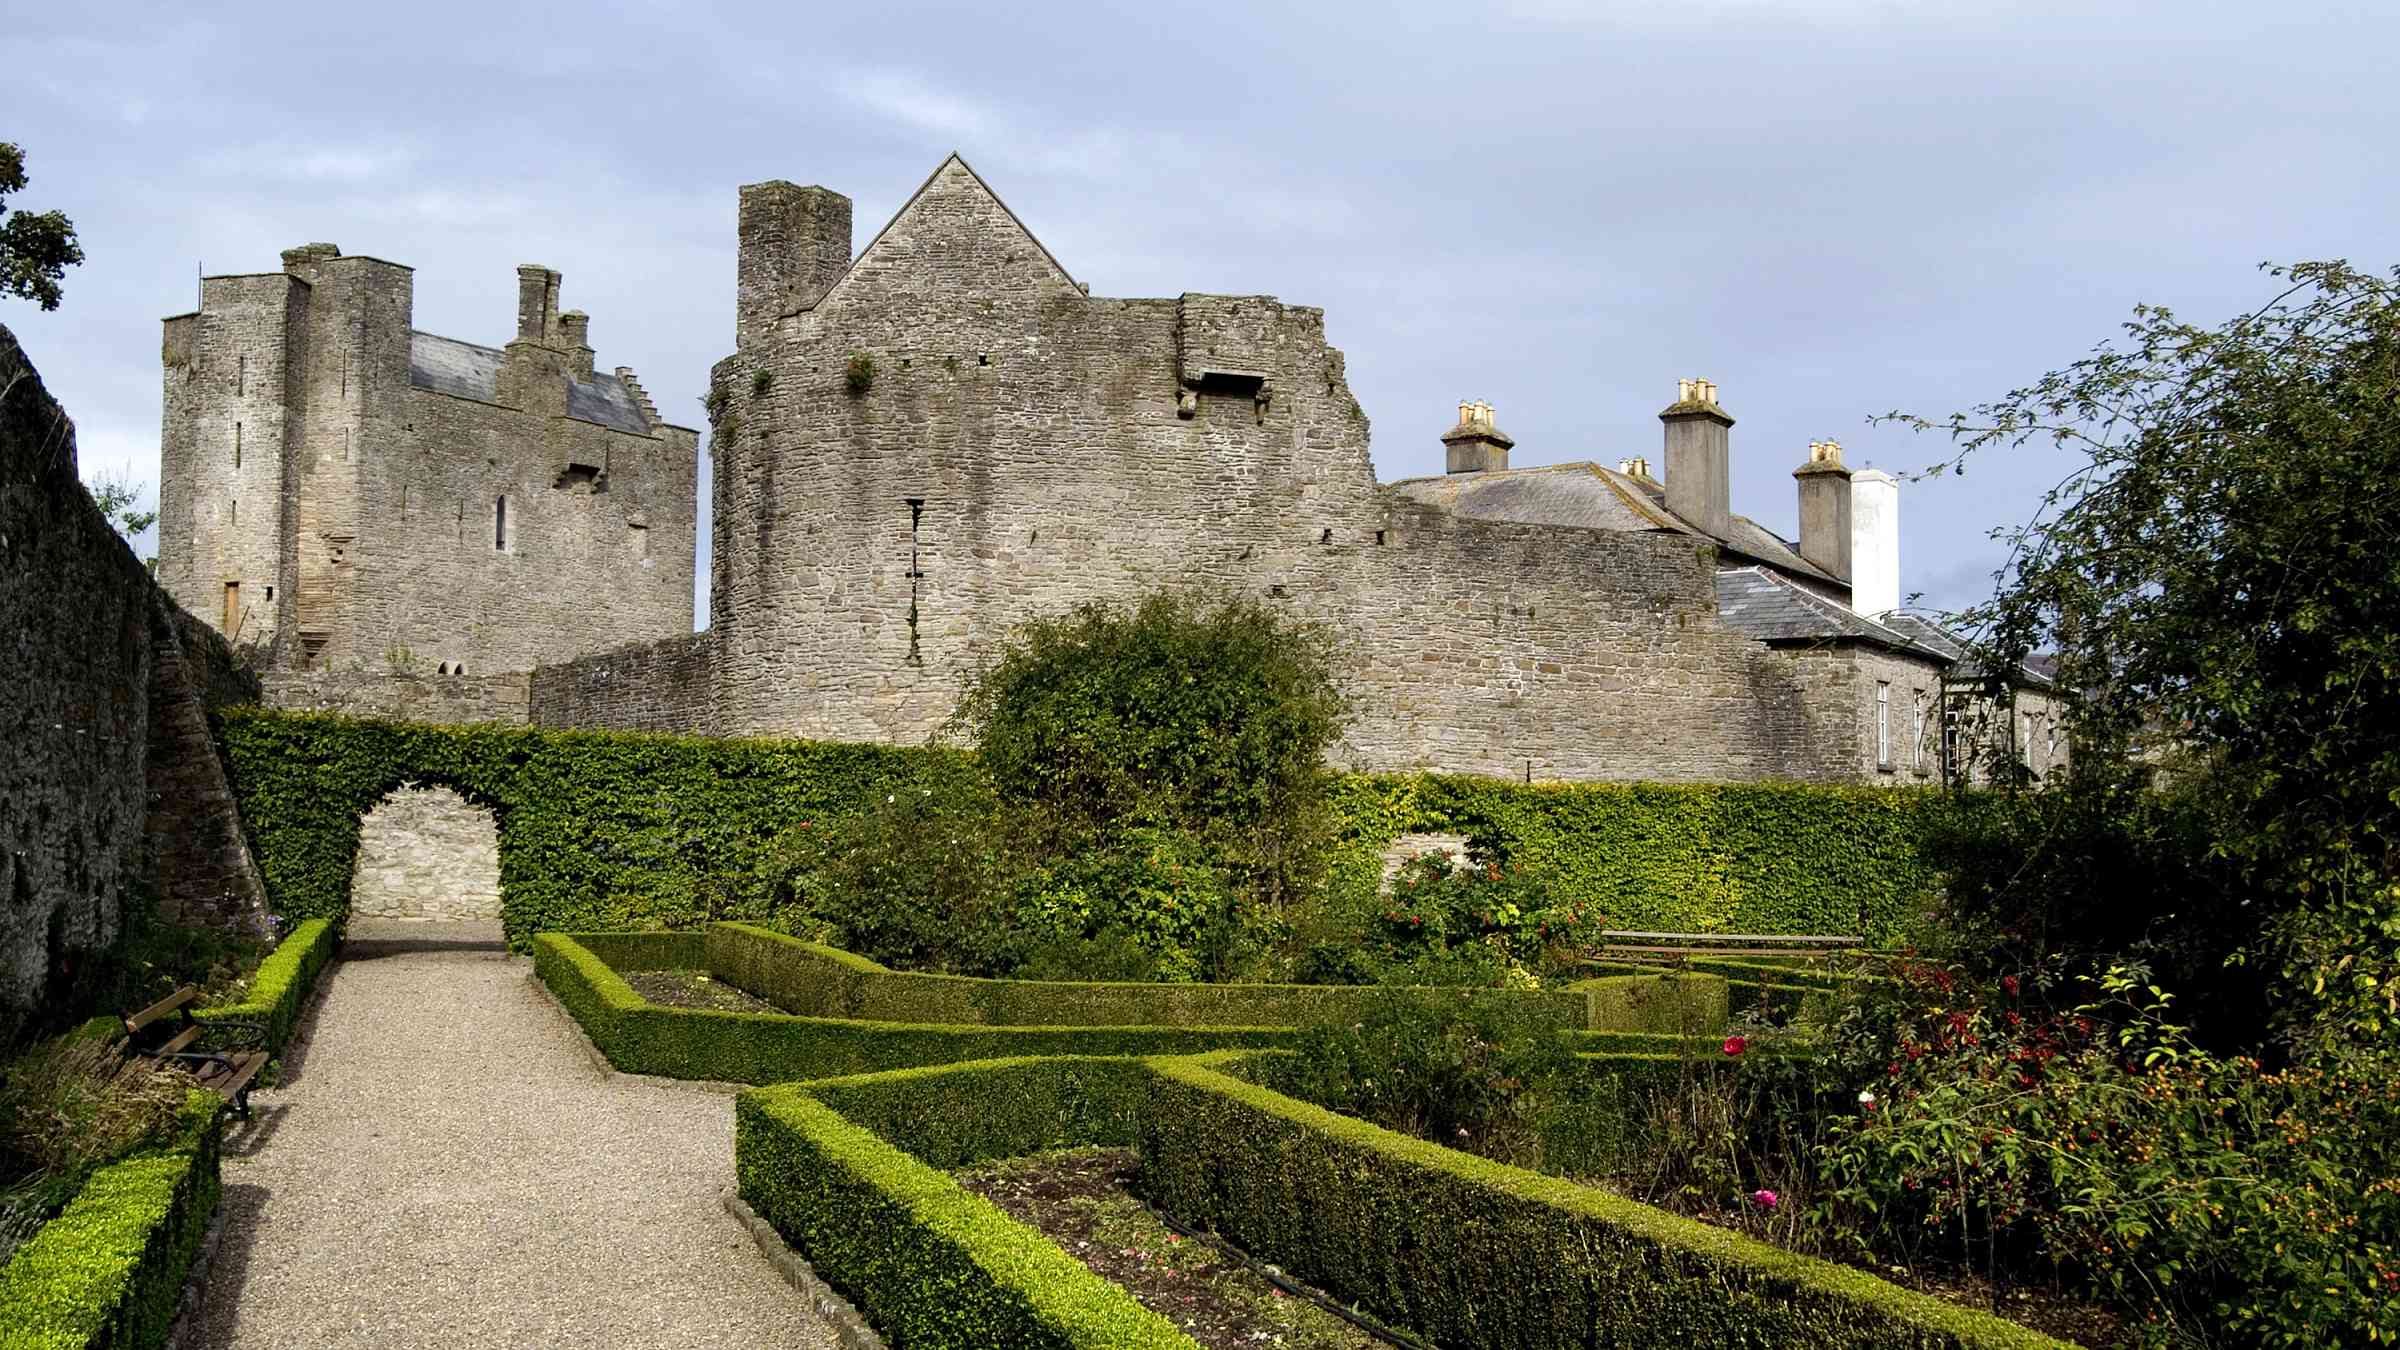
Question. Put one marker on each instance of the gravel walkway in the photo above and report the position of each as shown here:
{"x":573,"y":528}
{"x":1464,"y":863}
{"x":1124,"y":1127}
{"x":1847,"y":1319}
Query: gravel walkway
{"x":443,"y":1166}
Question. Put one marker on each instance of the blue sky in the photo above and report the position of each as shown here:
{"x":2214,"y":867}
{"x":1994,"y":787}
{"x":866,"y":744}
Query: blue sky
{"x":1832,"y":208}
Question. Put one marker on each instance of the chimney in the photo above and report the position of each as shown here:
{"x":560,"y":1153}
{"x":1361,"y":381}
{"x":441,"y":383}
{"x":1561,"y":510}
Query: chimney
{"x":574,"y":338}
{"x":537,"y":304}
{"x":1874,"y":542}
{"x":1636,"y":467}
{"x":1825,"y":509}
{"x":1699,"y":454}
{"x":795,"y":243}
{"x":1475,"y":444}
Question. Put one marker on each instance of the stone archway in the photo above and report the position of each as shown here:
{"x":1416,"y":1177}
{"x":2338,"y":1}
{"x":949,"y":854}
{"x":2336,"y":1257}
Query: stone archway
{"x":427,"y":853}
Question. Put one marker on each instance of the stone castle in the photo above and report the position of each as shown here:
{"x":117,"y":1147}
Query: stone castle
{"x":339,"y":490}
{"x":920,"y":444}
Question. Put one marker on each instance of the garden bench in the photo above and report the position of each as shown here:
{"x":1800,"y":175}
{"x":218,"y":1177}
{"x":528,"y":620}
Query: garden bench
{"x":1620,"y":944}
{"x":167,"y":1032}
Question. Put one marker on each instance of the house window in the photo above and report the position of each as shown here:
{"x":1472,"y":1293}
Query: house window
{"x":1883,"y":724}
{"x":500,"y":523}
{"x":1916,"y":735}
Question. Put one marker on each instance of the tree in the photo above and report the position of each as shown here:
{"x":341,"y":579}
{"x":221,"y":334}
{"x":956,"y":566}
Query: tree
{"x":35,"y":249}
{"x":2220,"y":577}
{"x":119,"y":498}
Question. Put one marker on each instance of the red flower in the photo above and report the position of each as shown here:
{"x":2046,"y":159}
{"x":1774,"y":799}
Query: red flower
{"x":1735,"y":1045}
{"x":2009,"y":983}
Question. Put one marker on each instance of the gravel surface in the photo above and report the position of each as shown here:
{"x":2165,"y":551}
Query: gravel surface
{"x":446,"y":1168}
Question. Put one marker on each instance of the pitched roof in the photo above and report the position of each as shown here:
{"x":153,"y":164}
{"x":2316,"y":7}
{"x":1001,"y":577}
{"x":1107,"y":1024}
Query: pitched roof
{"x":470,"y":370}
{"x":1771,"y":607}
{"x":909,"y":206}
{"x":1587,"y":494}
{"x":2035,"y":670}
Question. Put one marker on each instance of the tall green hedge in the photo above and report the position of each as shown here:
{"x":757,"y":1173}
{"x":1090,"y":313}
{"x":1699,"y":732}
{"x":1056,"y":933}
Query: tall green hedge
{"x":109,"y":1270}
{"x":602,"y":830}
{"x":280,"y":986}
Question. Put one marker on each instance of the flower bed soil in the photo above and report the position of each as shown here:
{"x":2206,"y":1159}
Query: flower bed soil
{"x":694,"y":989}
{"x":1080,"y":1200}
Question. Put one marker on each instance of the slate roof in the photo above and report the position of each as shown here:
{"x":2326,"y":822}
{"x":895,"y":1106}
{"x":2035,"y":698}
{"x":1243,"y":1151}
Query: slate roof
{"x":467,"y":370}
{"x":2035,"y":670}
{"x":1587,"y":494}
{"x":1766,"y":605}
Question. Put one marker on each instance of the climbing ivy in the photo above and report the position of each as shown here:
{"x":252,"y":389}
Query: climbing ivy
{"x":605,"y":830}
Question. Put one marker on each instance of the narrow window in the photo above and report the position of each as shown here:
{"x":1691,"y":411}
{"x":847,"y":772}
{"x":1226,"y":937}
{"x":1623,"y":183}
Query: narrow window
{"x":233,"y":605}
{"x":500,"y":523}
{"x":237,"y":445}
{"x":1883,"y":724}
{"x":1916,"y":735}
{"x":916,"y":575}
{"x":233,"y":511}
{"x":241,"y":375}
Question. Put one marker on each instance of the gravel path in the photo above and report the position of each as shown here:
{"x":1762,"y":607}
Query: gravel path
{"x":443,"y":1166}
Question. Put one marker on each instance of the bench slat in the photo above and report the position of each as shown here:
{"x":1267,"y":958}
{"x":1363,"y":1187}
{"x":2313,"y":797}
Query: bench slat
{"x":182,"y":1039}
{"x":160,"y":1009}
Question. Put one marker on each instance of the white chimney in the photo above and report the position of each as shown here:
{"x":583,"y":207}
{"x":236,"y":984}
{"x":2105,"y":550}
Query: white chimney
{"x":1874,"y":542}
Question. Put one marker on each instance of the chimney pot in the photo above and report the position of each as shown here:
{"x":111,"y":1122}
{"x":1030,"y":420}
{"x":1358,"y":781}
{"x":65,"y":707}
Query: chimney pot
{"x":1699,"y":458}
{"x":1476,"y":444}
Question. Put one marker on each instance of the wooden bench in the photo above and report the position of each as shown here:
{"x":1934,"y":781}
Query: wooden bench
{"x":1619,"y":945}
{"x":167,"y":1032}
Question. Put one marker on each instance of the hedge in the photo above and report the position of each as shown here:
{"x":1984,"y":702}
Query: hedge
{"x":616,"y":830}
{"x":109,"y":1270}
{"x":280,"y":986}
{"x":811,"y":979}
{"x":640,"y":1037}
{"x":1466,"y":1251}
{"x":930,"y":1264}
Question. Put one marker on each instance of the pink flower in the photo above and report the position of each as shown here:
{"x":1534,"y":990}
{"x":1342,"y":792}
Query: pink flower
{"x":1765,"y":1199}
{"x":1735,"y":1045}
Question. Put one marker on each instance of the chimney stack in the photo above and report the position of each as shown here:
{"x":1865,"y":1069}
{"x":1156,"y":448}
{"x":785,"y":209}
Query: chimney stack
{"x":1699,"y":455}
{"x":1874,"y":542}
{"x":1476,"y":444}
{"x":1636,"y":467}
{"x":574,"y":338}
{"x":537,"y":304}
{"x":1825,"y":509}
{"x":795,"y":243}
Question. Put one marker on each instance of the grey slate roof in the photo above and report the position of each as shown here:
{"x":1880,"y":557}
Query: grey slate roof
{"x":1590,"y":495}
{"x":467,"y":370}
{"x":2034,"y":670}
{"x":1773,"y":608}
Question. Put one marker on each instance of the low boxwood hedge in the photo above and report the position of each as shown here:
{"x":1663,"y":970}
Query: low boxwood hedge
{"x":109,"y":1270}
{"x":280,"y":986}
{"x":814,"y":980}
{"x":638,"y":1036}
{"x":929,"y":1263}
{"x":1470,"y":1252}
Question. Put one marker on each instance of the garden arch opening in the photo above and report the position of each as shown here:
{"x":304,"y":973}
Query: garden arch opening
{"x":426,"y":853}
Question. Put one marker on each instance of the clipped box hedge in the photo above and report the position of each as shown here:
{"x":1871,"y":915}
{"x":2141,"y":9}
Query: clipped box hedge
{"x":280,"y":986}
{"x":814,"y":980}
{"x":929,"y":1263}
{"x":109,"y":1270}
{"x":1466,"y":1251}
{"x":638,"y":1036}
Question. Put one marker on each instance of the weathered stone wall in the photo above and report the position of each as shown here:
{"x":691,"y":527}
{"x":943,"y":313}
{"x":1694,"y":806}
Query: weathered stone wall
{"x":427,"y":853}
{"x":412,"y":696}
{"x":667,"y":685}
{"x":356,"y":511}
{"x":204,"y":873}
{"x":97,"y":737}
{"x":1024,"y":447}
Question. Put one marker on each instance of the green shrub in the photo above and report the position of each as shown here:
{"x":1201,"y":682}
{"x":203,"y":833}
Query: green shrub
{"x":958,"y":1115}
{"x":68,"y":1105}
{"x":279,"y":989}
{"x":109,"y":1270}
{"x":1466,"y":1251}
{"x":1439,"y":904}
{"x":928,"y":1263}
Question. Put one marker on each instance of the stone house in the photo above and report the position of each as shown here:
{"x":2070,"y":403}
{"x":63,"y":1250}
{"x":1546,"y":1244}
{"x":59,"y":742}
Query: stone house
{"x":342,"y":492}
{"x":919,"y":445}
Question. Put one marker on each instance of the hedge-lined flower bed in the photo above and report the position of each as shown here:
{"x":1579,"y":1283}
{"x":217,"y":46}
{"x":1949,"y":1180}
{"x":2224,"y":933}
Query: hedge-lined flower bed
{"x":811,"y":979}
{"x":109,"y":1270}
{"x":1456,"y":1248}
{"x":279,"y":988}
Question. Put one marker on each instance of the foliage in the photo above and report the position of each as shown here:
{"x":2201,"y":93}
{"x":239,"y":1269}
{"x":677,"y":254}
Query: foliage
{"x":35,"y":249}
{"x":1475,"y":1074}
{"x":2218,"y":577}
{"x":120,"y":499}
{"x":928,"y":1262}
{"x":1467,"y":1251}
{"x":110,"y":1269}
{"x":2094,"y":1142}
{"x":858,"y":374}
{"x":1438,"y":907}
{"x":69,"y":1104}
{"x":273,"y":996}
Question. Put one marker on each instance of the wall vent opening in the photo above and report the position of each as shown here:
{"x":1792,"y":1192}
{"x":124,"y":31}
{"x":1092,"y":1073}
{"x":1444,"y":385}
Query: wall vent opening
{"x":579,"y":478}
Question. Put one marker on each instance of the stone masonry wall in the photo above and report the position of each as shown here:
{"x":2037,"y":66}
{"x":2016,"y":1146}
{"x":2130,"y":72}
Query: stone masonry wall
{"x":414,"y":696}
{"x":94,"y":724}
{"x":1024,"y":447}
{"x":427,"y":853}
{"x":660,"y":686}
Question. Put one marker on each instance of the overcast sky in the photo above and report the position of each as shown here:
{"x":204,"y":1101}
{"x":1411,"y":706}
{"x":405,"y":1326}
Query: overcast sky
{"x":1830,"y":207}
